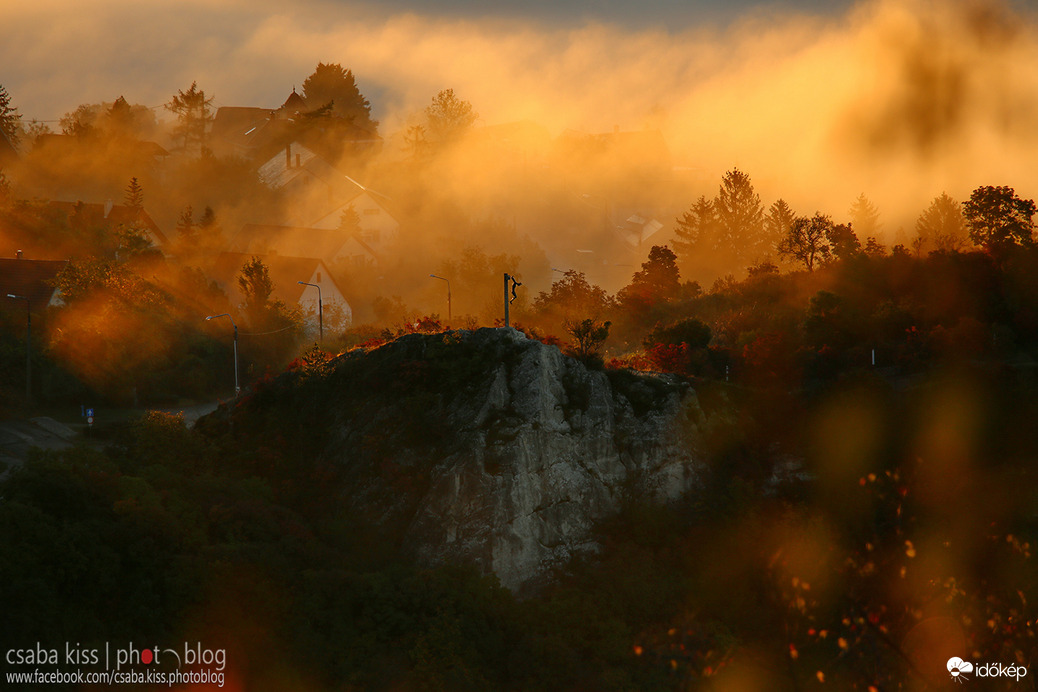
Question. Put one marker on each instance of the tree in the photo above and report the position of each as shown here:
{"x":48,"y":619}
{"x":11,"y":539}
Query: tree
{"x":942,"y":225}
{"x":573,"y":298}
{"x":696,"y":230}
{"x":256,"y":285}
{"x":332,"y":85}
{"x":808,"y":240}
{"x":193,"y":112}
{"x":349,"y":221}
{"x":658,"y":280}
{"x":777,"y":222}
{"x":588,"y":334}
{"x":415,"y":141}
{"x":843,"y":243}
{"x":278,"y":324}
{"x":740,"y":217}
{"x":864,"y":216}
{"x":187,"y":235}
{"x":134,"y":195}
{"x":997,"y":219}
{"x":10,"y":120}
{"x":448,"y":116}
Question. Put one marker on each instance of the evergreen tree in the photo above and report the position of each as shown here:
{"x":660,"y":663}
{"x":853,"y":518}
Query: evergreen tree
{"x":696,"y":230}
{"x":10,"y":120}
{"x":941,"y":226}
{"x":864,"y":216}
{"x":777,"y":223}
{"x":740,"y":218}
{"x":349,"y":221}
{"x":658,"y":280}
{"x":187,"y":235}
{"x":332,"y":85}
{"x":134,"y":195}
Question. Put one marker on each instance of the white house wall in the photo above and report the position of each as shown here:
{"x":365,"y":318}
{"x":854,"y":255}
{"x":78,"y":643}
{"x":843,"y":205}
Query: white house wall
{"x":330,"y":295}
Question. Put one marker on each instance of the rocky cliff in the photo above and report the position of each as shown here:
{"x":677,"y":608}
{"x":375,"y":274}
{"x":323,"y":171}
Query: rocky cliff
{"x":491,"y":448}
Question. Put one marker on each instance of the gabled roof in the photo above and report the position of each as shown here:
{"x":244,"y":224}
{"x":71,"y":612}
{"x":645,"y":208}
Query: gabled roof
{"x":30,"y":278}
{"x":285,"y":273}
{"x":294,"y":102}
{"x":237,"y":125}
{"x":96,"y":215}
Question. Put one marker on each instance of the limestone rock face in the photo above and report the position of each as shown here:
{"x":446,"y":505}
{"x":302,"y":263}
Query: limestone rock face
{"x":535,"y":448}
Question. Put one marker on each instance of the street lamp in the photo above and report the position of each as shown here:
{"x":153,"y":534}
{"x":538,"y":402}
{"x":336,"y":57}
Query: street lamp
{"x":320,"y":307}
{"x":433,"y":276}
{"x":237,"y":389}
{"x":28,"y":345}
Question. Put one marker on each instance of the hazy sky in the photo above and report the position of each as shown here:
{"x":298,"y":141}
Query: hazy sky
{"x":819,"y":101}
{"x":57,"y":54}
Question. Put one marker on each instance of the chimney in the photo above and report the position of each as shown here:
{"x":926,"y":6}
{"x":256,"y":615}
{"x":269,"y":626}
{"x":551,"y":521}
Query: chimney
{"x":288,"y":156}
{"x":18,"y":254}
{"x":108,"y":206}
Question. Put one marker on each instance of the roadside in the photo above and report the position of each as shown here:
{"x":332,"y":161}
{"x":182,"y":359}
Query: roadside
{"x":66,"y":428}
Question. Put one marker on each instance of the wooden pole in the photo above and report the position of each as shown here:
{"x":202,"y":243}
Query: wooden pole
{"x":506,"y":299}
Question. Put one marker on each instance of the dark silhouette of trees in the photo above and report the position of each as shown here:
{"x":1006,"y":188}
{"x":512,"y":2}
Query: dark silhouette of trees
{"x":134,"y":197}
{"x":997,"y":219}
{"x":942,"y":226}
{"x":727,"y":233}
{"x":572,"y":298}
{"x":194,"y":113}
{"x":332,"y":86}
{"x":449,"y":116}
{"x":10,"y":120}
{"x":696,"y":232}
{"x":807,"y":241}
{"x":659,"y":279}
{"x":777,"y":222}
{"x":740,"y":218}
{"x":187,"y":230}
{"x":588,"y":336}
{"x":864,"y":216}
{"x":843,"y":242}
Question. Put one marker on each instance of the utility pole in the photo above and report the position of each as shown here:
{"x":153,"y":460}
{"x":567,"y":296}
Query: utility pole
{"x":515,"y":284}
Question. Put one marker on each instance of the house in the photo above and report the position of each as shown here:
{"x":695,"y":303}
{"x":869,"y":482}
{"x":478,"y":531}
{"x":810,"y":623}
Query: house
{"x":256,"y":133}
{"x":32,"y":279}
{"x":331,"y":246}
{"x":285,"y":274}
{"x":637,"y":229}
{"x":378,"y":226}
{"x":319,"y":194}
{"x":111,"y":217}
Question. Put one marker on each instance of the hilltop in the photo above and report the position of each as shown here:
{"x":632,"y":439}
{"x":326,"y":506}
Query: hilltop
{"x":482,"y":447}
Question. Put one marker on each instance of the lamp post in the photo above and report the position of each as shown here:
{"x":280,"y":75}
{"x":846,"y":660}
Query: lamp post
{"x":237,"y":389}
{"x":433,"y":276}
{"x":28,"y":345}
{"x":320,"y":308}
